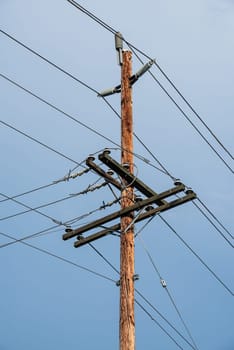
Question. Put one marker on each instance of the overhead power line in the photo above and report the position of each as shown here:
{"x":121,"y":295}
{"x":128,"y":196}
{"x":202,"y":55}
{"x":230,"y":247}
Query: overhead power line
{"x":90,"y":188}
{"x":144,"y":298}
{"x":186,"y":115}
{"x":212,"y":223}
{"x":160,"y":326}
{"x":67,"y":223}
{"x":97,"y":274}
{"x":59,"y":258}
{"x":197,"y":256}
{"x":28,"y":192}
{"x":39,"y":142}
{"x":69,"y":116}
{"x":164,"y":170}
{"x":113,"y":31}
{"x":193,"y":110}
{"x":30,"y":209}
{"x":163,"y":283}
{"x":215,"y":218}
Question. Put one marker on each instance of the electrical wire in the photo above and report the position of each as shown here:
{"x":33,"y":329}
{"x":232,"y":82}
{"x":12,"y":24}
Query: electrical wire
{"x":73,"y":264}
{"x":69,"y":116}
{"x":211,"y":222}
{"x":215,"y":217}
{"x":60,"y":258}
{"x":66,"y":114}
{"x":27,"y":237}
{"x":141,"y":295}
{"x":167,"y":291}
{"x":30,"y":209}
{"x":193,"y":110}
{"x":67,"y":223}
{"x":185,"y":115}
{"x":29,"y":191}
{"x":196,"y":255}
{"x":113,"y":31}
{"x":161,"y":315}
{"x":39,"y":142}
{"x":158,"y":324}
{"x":163,"y":170}
{"x":103,"y":257}
{"x":90,"y":188}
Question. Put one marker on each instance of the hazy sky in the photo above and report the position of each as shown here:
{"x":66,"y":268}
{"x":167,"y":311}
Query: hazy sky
{"x":47,"y":303}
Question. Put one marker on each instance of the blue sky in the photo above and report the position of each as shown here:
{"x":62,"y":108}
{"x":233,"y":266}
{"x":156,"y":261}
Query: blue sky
{"x":48,"y":303}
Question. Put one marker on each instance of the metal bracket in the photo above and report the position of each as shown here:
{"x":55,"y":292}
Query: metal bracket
{"x":132,"y":79}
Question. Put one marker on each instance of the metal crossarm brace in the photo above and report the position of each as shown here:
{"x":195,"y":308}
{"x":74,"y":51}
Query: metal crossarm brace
{"x":130,"y":178}
{"x":123,"y":212}
{"x":141,"y":217}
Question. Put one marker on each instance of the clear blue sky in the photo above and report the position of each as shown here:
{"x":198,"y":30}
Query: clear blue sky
{"x":47,"y":303}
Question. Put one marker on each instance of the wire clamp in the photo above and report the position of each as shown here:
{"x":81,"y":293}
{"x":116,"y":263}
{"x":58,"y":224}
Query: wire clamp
{"x":163,"y":283}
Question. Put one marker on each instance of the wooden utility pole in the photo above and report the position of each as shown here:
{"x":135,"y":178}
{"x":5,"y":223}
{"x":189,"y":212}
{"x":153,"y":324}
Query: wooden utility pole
{"x":128,"y":182}
{"x":127,"y":318}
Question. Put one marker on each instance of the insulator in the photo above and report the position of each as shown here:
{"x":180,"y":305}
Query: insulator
{"x":91,"y":158}
{"x":138,"y":199}
{"x":126,"y":165}
{"x":80,"y":237}
{"x":177,"y":182}
{"x":150,"y":207}
{"x":68,"y":229}
{"x":189,"y":190}
{"x":110,"y":172}
{"x":118,"y":41}
{"x":107,"y":151}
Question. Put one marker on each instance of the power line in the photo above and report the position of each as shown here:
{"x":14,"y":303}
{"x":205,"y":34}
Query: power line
{"x":197,"y":256}
{"x":168,"y":293}
{"x":155,"y":321}
{"x":68,"y":115}
{"x":59,"y":110}
{"x":215,"y":217}
{"x":193,"y":110}
{"x":39,"y":142}
{"x":161,"y":315}
{"x":60,"y":258}
{"x":27,"y":237}
{"x":71,"y":263}
{"x":90,"y":188}
{"x":67,"y":223}
{"x":30,"y":209}
{"x":29,"y":191}
{"x":96,"y":92}
{"x":211,"y":222}
{"x":144,"y":298}
{"x":113,"y":31}
{"x":185,"y":115}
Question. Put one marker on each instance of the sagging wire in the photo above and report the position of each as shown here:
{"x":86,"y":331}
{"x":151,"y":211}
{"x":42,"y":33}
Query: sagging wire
{"x":67,"y":223}
{"x":164,"y":285}
{"x":59,"y":257}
